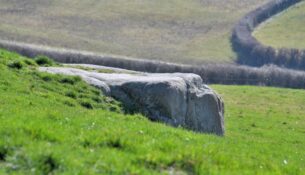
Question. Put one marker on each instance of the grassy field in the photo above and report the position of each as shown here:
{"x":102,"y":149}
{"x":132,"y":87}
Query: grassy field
{"x":284,"y":30}
{"x":53,"y":124}
{"x":187,"y":31}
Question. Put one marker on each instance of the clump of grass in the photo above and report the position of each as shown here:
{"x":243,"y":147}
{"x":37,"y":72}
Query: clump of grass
{"x":3,"y":153}
{"x":18,"y":160}
{"x":96,"y":91}
{"x":113,"y":142}
{"x":84,"y":95}
{"x":68,"y":103}
{"x":116,"y":143}
{"x":86,"y":104}
{"x":16,"y":65}
{"x":47,"y":164}
{"x":97,"y":99}
{"x":71,"y":94}
{"x":86,"y":143}
{"x":106,"y":71}
{"x":30,"y":62}
{"x":46,"y":77}
{"x":114,"y":109}
{"x":70,"y":80}
{"x":44,"y":61}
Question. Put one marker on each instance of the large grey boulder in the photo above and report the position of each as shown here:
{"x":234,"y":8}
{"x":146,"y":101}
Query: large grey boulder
{"x":177,"y":99}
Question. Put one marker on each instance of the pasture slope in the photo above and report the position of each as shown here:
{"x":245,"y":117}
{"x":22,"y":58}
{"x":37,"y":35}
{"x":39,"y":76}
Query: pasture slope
{"x":53,"y":124}
{"x":285,"y":30}
{"x":252,"y":52}
{"x":184,"y":31}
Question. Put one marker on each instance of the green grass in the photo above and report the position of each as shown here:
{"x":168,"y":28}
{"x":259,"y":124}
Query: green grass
{"x":47,"y":127}
{"x":285,"y":30}
{"x":185,"y":31}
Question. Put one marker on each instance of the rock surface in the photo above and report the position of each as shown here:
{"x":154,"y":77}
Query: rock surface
{"x":177,"y":99}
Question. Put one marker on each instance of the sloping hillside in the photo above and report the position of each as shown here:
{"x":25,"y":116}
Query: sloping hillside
{"x":175,"y":30}
{"x":58,"y":124}
{"x":285,"y":30}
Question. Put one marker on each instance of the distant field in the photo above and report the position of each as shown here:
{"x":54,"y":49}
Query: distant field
{"x":187,"y":31}
{"x":284,"y":30}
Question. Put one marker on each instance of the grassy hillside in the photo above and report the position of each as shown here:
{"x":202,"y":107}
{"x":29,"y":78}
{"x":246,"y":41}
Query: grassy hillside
{"x":284,"y":30}
{"x":58,"y":124}
{"x":185,"y":31}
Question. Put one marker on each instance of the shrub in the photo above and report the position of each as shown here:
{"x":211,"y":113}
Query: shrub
{"x":16,"y":65}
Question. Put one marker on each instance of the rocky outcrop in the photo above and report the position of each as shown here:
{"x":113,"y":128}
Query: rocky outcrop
{"x":176,"y":99}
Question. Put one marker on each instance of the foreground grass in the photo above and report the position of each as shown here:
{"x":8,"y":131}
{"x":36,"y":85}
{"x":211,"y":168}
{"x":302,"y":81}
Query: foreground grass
{"x":46,"y":128}
{"x":285,"y":30}
{"x":187,"y":31}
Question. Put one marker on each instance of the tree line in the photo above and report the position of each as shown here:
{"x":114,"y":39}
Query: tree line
{"x":210,"y":73}
{"x":252,"y":52}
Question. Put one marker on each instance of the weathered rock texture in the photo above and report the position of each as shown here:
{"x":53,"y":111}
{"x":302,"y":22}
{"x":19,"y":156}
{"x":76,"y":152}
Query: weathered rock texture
{"x":176,"y":99}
